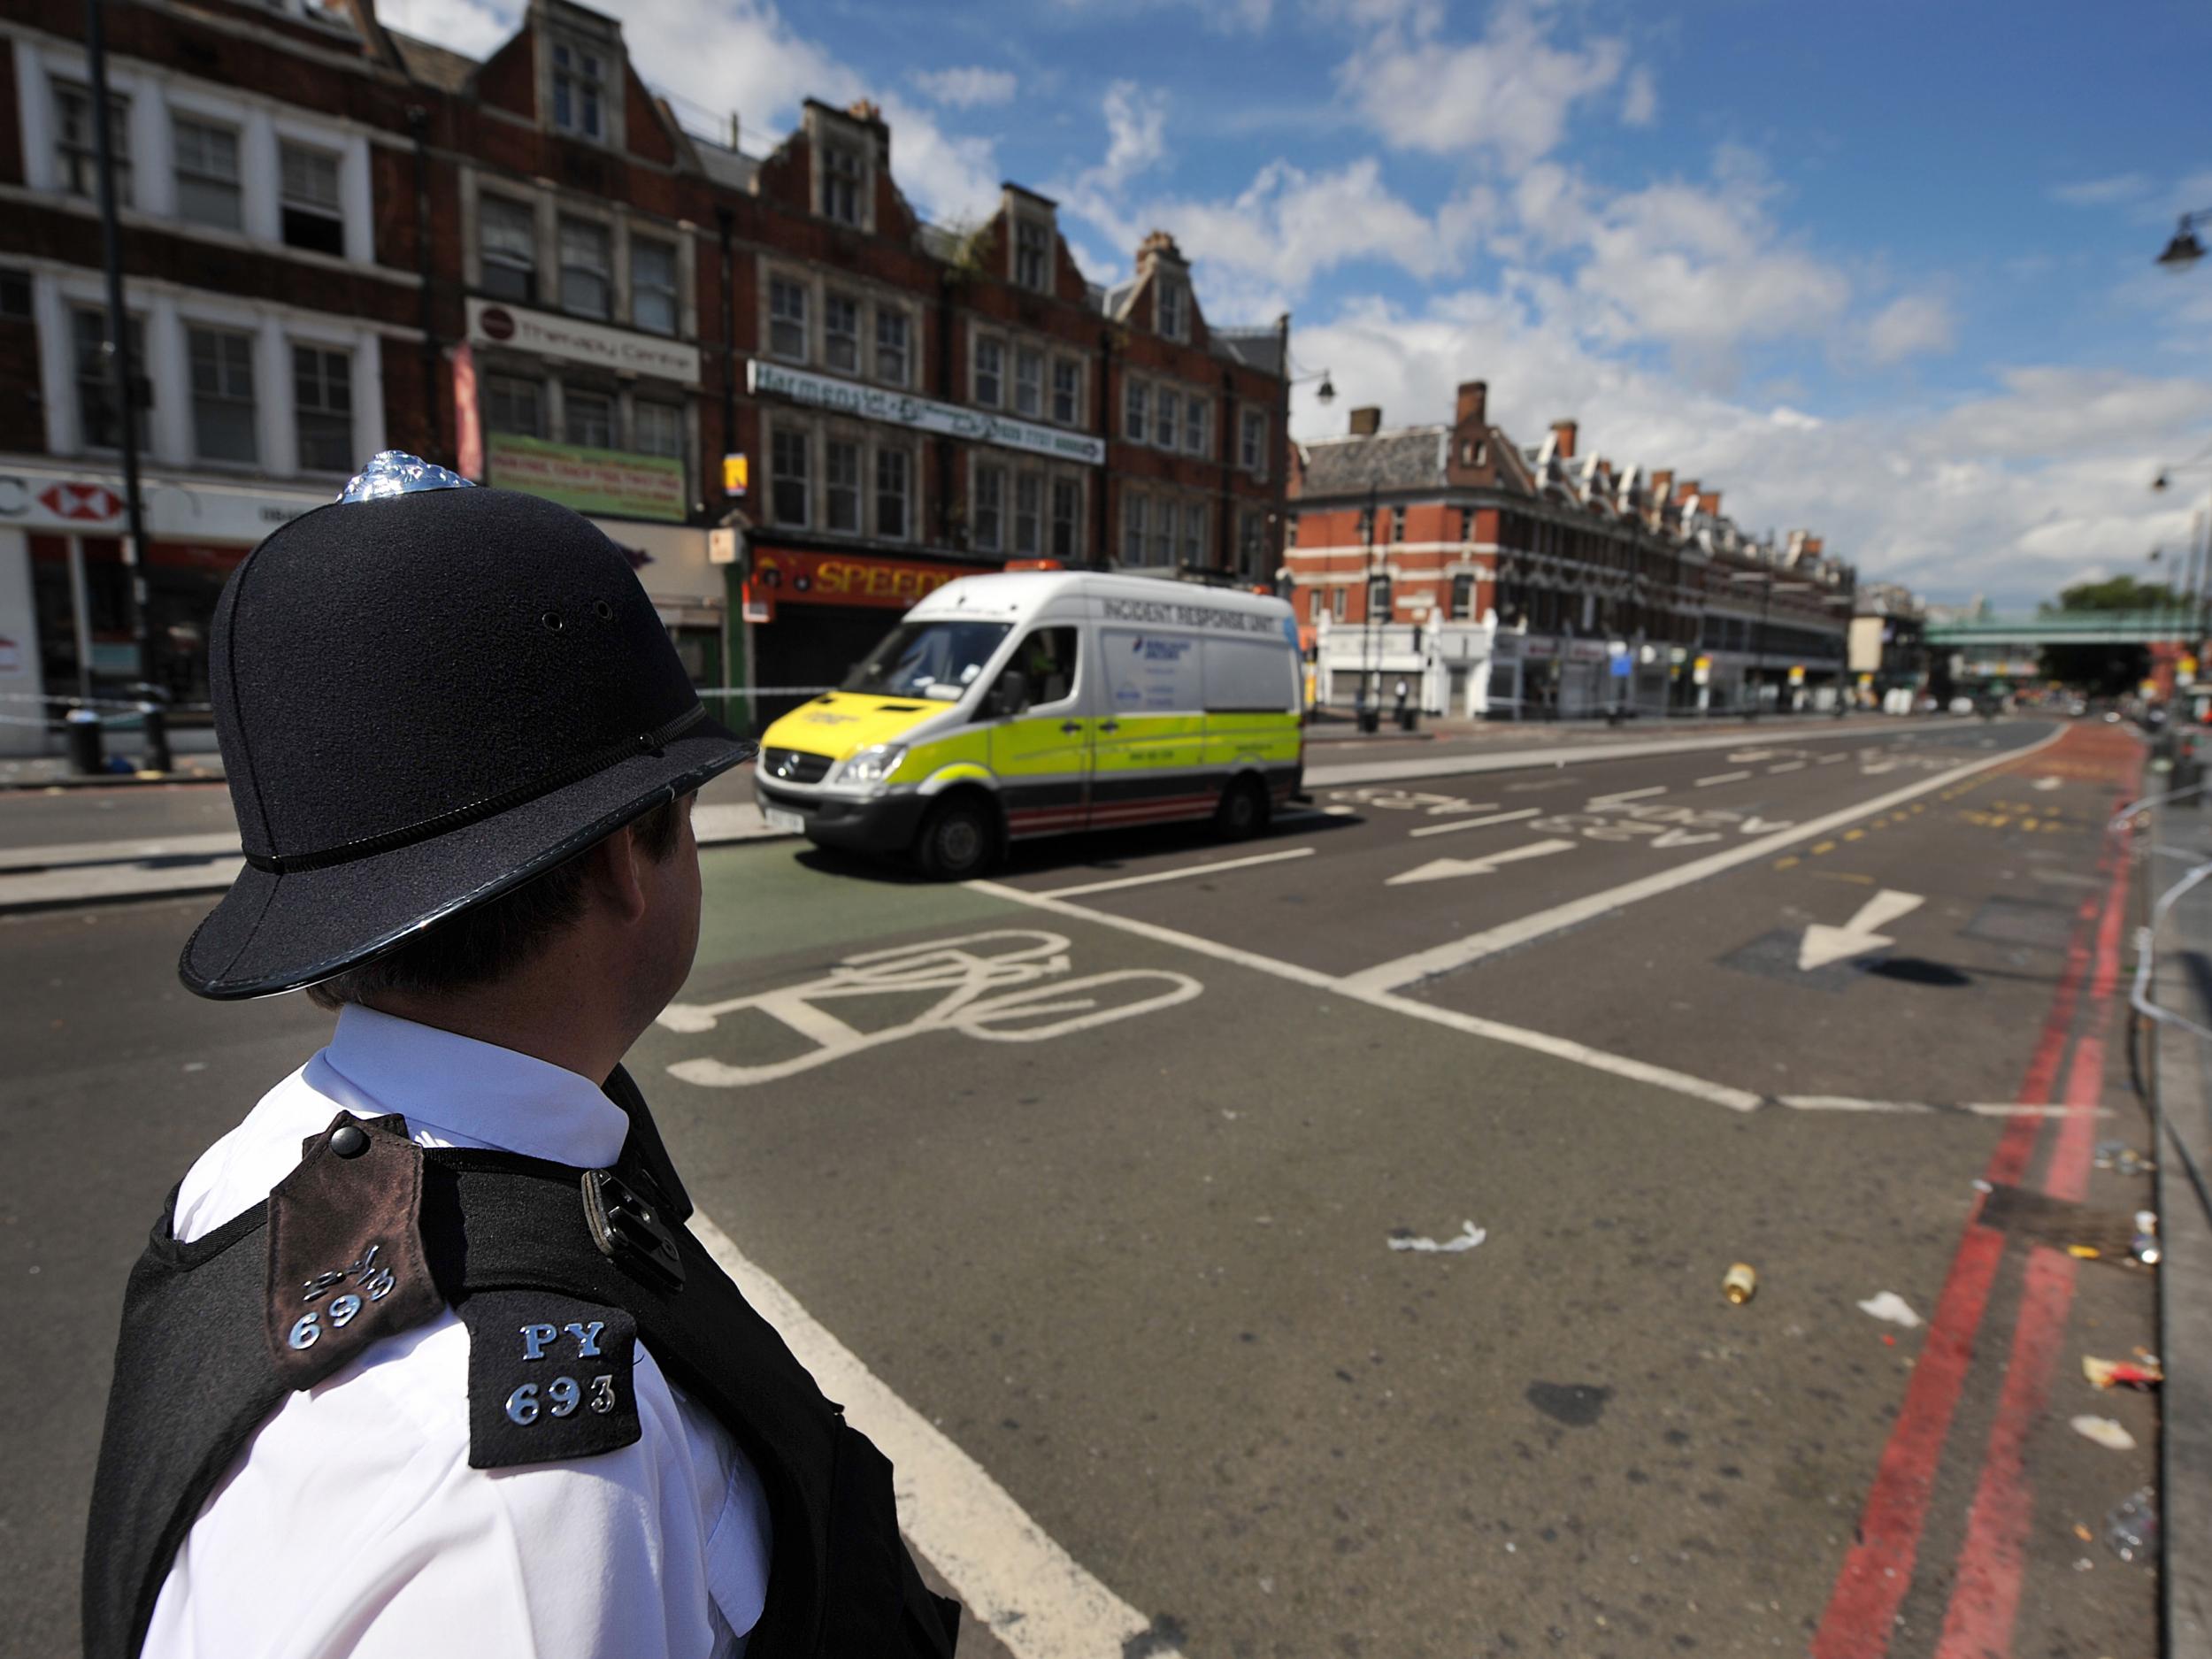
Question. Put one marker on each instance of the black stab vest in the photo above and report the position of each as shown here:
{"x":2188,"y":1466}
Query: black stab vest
{"x":195,"y":1375}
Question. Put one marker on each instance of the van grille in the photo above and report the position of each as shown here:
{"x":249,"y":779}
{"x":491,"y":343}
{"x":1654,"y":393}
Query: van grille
{"x":794,"y":765}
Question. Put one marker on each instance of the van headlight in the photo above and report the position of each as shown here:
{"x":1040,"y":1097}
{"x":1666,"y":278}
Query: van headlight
{"x":873,"y":764}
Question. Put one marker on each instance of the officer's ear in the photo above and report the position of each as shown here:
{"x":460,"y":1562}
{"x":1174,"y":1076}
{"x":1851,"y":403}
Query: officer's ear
{"x":615,"y":875}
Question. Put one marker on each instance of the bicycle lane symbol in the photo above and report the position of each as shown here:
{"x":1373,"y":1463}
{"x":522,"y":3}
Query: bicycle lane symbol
{"x":1003,"y":986}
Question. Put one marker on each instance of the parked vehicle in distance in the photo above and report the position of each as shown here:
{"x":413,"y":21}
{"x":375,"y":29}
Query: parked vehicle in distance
{"x":1033,"y":704}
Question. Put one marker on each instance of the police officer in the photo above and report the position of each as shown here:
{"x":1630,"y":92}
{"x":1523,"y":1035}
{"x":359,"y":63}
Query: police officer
{"x":420,"y":1357}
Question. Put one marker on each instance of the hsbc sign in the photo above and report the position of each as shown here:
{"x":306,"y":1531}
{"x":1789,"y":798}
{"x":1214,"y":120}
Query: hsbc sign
{"x":80,"y":504}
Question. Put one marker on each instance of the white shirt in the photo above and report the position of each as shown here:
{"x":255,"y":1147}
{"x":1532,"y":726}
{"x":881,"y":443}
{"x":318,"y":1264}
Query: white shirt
{"x":353,"y":1523}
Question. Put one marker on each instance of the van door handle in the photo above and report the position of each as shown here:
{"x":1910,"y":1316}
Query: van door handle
{"x":1110,"y":725}
{"x":1071,"y":726}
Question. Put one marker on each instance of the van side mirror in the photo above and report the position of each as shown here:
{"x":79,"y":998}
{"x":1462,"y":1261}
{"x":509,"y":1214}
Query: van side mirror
{"x":1009,"y":696}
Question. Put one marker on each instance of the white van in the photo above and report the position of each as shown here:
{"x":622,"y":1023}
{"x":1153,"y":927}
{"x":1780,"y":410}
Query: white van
{"x":1039,"y":702}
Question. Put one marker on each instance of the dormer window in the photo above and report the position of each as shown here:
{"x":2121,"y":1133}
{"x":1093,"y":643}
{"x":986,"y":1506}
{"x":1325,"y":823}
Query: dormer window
{"x":1032,"y":255}
{"x":1172,"y":309}
{"x":842,"y":173}
{"x":578,"y":91}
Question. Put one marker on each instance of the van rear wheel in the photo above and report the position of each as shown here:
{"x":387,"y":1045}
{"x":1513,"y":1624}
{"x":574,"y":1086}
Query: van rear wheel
{"x":1242,"y":813}
{"x":959,"y":840}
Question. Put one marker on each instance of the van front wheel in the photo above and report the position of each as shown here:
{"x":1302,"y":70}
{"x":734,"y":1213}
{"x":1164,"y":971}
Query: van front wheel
{"x":1242,"y":813}
{"x":959,"y":840}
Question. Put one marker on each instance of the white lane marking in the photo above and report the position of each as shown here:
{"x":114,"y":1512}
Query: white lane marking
{"x":1474,"y":1025}
{"x":1722,"y":777}
{"x":1833,"y":760}
{"x":1036,"y":1598}
{"x":1423,"y":964}
{"x":1478,"y":822}
{"x":1823,"y":945}
{"x":1627,"y":795}
{"x":1442,"y":869}
{"x":1341,"y":811}
{"x":1794,"y":765}
{"x":2044,"y":783}
{"x":1177,"y":875}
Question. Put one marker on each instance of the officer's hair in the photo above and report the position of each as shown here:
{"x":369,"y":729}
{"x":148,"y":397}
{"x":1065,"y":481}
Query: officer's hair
{"x":485,"y":943}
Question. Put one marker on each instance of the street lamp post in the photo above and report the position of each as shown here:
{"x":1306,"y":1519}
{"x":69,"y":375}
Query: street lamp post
{"x":2184,"y":249}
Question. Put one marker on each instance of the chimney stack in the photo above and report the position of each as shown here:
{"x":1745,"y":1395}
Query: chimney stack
{"x":1474,"y":404}
{"x":1662,"y":482}
{"x":1711,"y":503}
{"x":1563,"y":434}
{"x":1366,"y":422}
{"x":1687,"y":492}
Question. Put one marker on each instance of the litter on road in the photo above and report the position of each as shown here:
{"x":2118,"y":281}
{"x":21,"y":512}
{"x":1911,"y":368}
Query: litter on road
{"x":2108,"y":1373}
{"x":1467,"y":1239}
{"x":2131,"y":1529}
{"x":1741,"y":1284}
{"x":2106,"y":1433}
{"x":1890,"y":1307}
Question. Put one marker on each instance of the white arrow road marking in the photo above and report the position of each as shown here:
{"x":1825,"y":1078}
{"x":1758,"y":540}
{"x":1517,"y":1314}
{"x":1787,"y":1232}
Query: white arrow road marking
{"x":1477,"y":823}
{"x":2044,"y":783}
{"x":1824,"y":945}
{"x":1439,"y":869}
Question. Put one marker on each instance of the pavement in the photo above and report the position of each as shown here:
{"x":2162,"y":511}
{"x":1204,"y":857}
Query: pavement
{"x":1105,"y":1191}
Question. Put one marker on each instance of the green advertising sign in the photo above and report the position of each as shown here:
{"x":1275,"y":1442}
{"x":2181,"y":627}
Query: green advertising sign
{"x":590,"y":480}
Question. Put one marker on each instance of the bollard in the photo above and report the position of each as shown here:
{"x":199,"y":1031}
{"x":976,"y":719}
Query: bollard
{"x":158,"y":757}
{"x":83,"y":728}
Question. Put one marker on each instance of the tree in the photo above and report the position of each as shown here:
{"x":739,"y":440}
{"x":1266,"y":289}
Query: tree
{"x":2117,"y":593}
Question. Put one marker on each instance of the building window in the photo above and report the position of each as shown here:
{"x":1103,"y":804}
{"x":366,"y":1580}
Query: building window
{"x":307,"y":183}
{"x":1067,"y":391}
{"x":587,"y":419}
{"x":1194,"y":535}
{"x":1165,"y":519}
{"x":99,"y":421}
{"x":1293,"y":529}
{"x":1252,"y":546}
{"x":1198,"y":422}
{"x":587,"y":269}
{"x":1366,"y":527}
{"x":15,"y":295}
{"x":207,"y":174}
{"x":841,"y":480}
{"x":1067,"y":518}
{"x":1339,"y":600}
{"x":1466,"y":523}
{"x":652,"y":286}
{"x":222,"y":395}
{"x":512,"y":404}
{"x":891,"y":345}
{"x":1137,"y":404}
{"x":1167,"y":412}
{"x":76,"y":147}
{"x":322,"y":408}
{"x":1463,"y":597}
{"x":840,"y":333}
{"x":1029,"y":506}
{"x":1252,"y":443}
{"x":894,"y":485}
{"x":1172,"y":309}
{"x":578,"y":91}
{"x":1397,"y":523}
{"x":507,"y":240}
{"x":786,"y":318}
{"x":1134,"y":538}
{"x":1033,"y":255}
{"x":990,"y":371}
{"x":990,"y":507}
{"x":842,"y":172}
{"x":659,"y":429}
{"x":1029,"y":381}
{"x":1378,"y":597}
{"x":787,"y":457}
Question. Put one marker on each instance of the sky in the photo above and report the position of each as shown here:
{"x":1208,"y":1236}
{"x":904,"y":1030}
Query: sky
{"x":1882,"y":270}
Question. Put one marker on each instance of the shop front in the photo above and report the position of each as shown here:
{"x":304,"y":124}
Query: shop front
{"x":66,"y":623}
{"x":811,"y":613}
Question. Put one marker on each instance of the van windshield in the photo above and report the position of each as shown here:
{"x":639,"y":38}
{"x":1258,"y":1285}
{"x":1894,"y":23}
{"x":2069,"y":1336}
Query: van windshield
{"x":939,"y":660}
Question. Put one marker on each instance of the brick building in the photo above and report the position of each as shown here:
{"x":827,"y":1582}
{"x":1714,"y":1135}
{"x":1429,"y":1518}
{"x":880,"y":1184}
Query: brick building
{"x":1497,"y":578}
{"x":337,"y":238}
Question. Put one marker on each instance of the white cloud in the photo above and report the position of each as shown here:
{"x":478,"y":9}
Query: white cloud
{"x":1910,"y":326}
{"x":969,"y":87}
{"x":1640,"y":105}
{"x":2126,"y":186}
{"x":1136,"y":133}
{"x":2042,"y":482}
{"x":1510,"y":92}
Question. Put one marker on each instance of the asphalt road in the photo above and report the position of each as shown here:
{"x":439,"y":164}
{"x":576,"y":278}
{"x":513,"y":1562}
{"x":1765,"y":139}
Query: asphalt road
{"x":1098,"y":1168}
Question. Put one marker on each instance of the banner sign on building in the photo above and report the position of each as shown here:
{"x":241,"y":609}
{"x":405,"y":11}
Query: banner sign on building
{"x":780,"y":576}
{"x":620,"y":349}
{"x":902,"y":408}
{"x":590,"y":480}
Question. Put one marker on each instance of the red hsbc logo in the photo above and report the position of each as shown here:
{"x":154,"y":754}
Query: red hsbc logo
{"x":87,"y":502}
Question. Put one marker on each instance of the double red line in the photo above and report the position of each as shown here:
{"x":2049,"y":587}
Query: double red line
{"x":1877,"y":1571}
